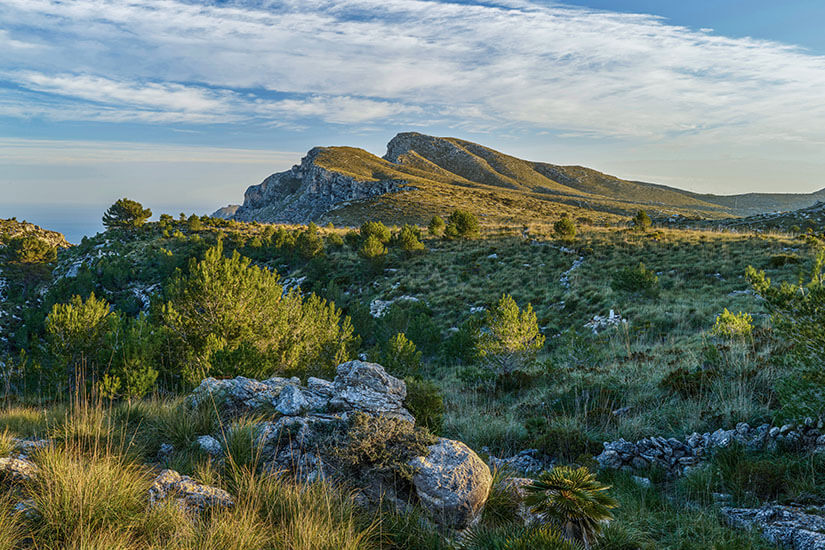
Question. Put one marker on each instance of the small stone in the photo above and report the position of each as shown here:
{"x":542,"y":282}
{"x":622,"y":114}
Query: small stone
{"x":642,"y":482}
{"x":210,"y":445}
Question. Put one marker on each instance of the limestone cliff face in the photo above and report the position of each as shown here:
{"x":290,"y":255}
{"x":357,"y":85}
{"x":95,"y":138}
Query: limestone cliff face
{"x":306,"y":192}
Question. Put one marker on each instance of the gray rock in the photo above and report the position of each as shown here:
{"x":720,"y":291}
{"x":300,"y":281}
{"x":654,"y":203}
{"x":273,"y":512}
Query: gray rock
{"x":642,"y":482}
{"x":452,"y":483}
{"x":368,"y":388}
{"x":165,"y":451}
{"x":610,"y":459}
{"x":789,"y":526}
{"x":291,"y":401}
{"x":187,"y":493}
{"x":210,"y":445}
{"x":18,"y":469}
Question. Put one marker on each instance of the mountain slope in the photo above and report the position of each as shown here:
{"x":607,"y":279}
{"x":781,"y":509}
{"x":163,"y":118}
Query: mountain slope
{"x":423,"y":175}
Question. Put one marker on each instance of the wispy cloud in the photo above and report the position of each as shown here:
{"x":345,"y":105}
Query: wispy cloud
{"x":491,"y":64}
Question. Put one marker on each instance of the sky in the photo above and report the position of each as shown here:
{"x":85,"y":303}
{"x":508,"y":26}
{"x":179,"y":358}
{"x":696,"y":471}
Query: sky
{"x":182,"y":104}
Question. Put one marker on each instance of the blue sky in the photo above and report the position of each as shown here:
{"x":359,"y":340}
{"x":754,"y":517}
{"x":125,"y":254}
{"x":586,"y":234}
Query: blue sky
{"x":183,"y":104}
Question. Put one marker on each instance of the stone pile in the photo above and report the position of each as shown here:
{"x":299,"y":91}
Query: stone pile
{"x":528,"y":461}
{"x":677,"y":456}
{"x":796,"y":527}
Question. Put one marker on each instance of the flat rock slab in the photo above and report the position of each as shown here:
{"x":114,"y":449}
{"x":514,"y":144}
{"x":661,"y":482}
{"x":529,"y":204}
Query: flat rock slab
{"x":18,"y":469}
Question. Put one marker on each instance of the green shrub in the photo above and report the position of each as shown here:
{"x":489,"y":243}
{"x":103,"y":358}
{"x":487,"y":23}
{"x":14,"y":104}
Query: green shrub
{"x":730,"y":325}
{"x":235,"y":317}
{"x":798,"y":313}
{"x":399,"y":357}
{"x":30,"y":250}
{"x":426,"y":403}
{"x":373,"y":250}
{"x":503,"y":504}
{"x":126,"y":214}
{"x":408,"y":240}
{"x":309,"y":243}
{"x":636,"y":280}
{"x":381,"y":445}
{"x":641,"y":221}
{"x":335,"y":240}
{"x":565,"y":228}
{"x":375,"y":229}
{"x":510,"y":338}
{"x":462,"y":224}
{"x":436,"y":226}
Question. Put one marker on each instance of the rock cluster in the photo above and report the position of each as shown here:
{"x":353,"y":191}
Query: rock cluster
{"x":676,"y":456}
{"x":800,"y":528}
{"x":451,"y":481}
{"x":528,"y":461}
{"x":358,"y":386}
{"x":187,"y":493}
{"x":307,"y":191}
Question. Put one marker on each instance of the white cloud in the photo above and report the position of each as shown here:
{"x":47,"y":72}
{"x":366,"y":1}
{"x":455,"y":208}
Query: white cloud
{"x":489,"y":65}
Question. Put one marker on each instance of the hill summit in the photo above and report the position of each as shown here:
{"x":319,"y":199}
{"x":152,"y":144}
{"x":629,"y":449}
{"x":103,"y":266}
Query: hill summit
{"x":422,"y":175}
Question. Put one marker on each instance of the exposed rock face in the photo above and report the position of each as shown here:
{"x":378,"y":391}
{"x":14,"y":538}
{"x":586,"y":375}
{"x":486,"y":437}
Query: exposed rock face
{"x":677,"y":456}
{"x":368,"y":388}
{"x":452,"y":483}
{"x":789,"y":526}
{"x":226,"y":212}
{"x":305,"y":192}
{"x":187,"y":493}
{"x":528,"y":461}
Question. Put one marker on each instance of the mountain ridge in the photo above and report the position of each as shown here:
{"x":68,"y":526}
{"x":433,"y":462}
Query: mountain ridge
{"x":342,"y":183}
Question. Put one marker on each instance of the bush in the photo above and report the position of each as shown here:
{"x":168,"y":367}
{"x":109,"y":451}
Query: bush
{"x":309,"y":243}
{"x":77,"y":334}
{"x":375,"y":229}
{"x":382,"y":445}
{"x":565,"y":228}
{"x":408,"y":240}
{"x":510,"y":338}
{"x":228,"y":314}
{"x":126,"y":214}
{"x":798,"y":313}
{"x":399,"y":357}
{"x":641,"y":221}
{"x":636,"y":280}
{"x":780,"y":260}
{"x":30,"y":250}
{"x":730,"y":325}
{"x":335,"y":240}
{"x":426,"y":403}
{"x":436,"y":226}
{"x":374,"y":251}
{"x":462,"y":224}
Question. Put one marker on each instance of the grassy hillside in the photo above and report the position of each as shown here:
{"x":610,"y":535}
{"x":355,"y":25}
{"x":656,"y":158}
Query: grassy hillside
{"x":658,"y":370}
{"x":446,"y":173}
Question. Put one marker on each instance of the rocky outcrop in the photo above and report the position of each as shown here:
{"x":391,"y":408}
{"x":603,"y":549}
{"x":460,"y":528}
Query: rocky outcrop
{"x":226,"y":212}
{"x":452,"y":483}
{"x":799,"y":528}
{"x":307,"y":191}
{"x":187,"y":493}
{"x":676,"y":456}
{"x":310,"y":423}
{"x":358,"y":386}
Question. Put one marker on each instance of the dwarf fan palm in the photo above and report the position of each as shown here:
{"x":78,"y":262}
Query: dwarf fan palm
{"x":574,"y":500}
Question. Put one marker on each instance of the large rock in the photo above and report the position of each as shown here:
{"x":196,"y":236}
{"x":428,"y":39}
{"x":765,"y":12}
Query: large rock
{"x":452,"y":483}
{"x":789,"y":526}
{"x":187,"y":493}
{"x":368,"y":388}
{"x":241,"y":393}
